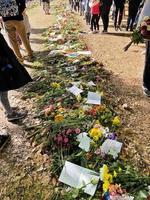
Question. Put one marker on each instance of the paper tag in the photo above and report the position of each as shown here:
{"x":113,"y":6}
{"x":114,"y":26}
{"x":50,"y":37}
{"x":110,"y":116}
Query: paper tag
{"x":75,"y":90}
{"x":111,"y":147}
{"x":84,"y":141}
{"x":77,"y":176}
{"x":93,"y":98}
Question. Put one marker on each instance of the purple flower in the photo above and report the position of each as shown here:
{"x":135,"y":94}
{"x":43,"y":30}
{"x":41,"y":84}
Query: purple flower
{"x":112,"y":136}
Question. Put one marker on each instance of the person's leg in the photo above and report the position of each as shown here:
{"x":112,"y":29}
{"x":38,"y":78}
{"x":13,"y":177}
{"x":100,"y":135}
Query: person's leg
{"x":97,"y":22}
{"x":132,"y":22}
{"x":104,"y":19}
{"x":121,"y":15}
{"x":146,"y":74}
{"x":20,"y":28}
{"x":116,"y":17}
{"x":92,"y":22}
{"x":11,"y":30}
{"x":11,"y":114}
{"x":5,"y":102}
{"x":128,"y":23}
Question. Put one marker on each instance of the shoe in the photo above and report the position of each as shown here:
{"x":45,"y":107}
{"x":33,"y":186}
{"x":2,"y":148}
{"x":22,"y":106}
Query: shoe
{"x":146,"y":92}
{"x":94,"y":32}
{"x":3,"y":140}
{"x":104,"y":31}
{"x":29,"y":58}
{"x":14,"y":108}
{"x":16,"y":116}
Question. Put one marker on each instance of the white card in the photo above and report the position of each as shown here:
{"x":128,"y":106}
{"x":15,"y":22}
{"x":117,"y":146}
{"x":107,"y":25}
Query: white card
{"x":75,"y":90}
{"x":72,"y":55}
{"x":85,"y":53}
{"x":84,"y":141}
{"x":93,"y":98}
{"x":91,"y":83}
{"x":111,"y":147}
{"x":71,"y":69}
{"x":77,"y":176}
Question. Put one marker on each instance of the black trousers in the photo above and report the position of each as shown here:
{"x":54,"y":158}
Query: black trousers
{"x":146,"y":75}
{"x":119,"y":11}
{"x":105,"y":18}
{"x":95,"y":22}
{"x":130,"y":22}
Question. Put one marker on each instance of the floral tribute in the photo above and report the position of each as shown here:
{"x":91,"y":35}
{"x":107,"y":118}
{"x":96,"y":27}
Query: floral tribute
{"x":64,"y":115}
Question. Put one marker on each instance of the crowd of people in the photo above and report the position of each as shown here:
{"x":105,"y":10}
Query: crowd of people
{"x":93,"y":10}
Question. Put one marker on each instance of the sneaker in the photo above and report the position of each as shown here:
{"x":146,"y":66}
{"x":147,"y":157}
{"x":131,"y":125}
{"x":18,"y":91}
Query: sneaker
{"x":104,"y":31}
{"x":29,"y":58}
{"x":16,"y":116}
{"x":146,"y":92}
{"x":3,"y":140}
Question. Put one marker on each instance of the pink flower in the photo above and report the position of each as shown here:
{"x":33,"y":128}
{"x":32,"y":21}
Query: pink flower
{"x":66,"y":140}
{"x":77,"y":131}
{"x":69,"y":131}
{"x":59,"y":138}
{"x":98,"y":151}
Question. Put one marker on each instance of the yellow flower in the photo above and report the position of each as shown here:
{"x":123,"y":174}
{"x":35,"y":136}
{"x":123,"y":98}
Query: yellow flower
{"x":59,"y":118}
{"x":78,"y":97}
{"x":95,"y":132}
{"x":105,"y":168}
{"x":116,"y":121}
{"x":55,"y":85}
{"x":119,"y":169}
{"x":95,"y":138}
{"x":115,"y":174}
{"x":106,"y":186}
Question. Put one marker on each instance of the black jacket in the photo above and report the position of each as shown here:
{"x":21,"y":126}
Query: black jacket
{"x":12,"y":74}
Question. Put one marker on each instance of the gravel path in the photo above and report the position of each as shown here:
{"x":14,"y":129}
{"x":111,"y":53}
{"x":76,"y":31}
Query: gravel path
{"x":19,"y":178}
{"x":125,"y":87}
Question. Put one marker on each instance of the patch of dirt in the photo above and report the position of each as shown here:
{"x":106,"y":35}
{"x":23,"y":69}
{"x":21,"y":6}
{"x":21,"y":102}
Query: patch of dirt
{"x":23,"y":173}
{"x":125,"y":87}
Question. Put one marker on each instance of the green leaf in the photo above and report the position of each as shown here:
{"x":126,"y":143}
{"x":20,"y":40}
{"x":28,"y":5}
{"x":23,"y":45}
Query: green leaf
{"x":75,"y":193}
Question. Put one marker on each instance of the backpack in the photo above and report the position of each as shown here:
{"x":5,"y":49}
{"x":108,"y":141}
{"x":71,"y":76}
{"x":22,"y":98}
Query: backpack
{"x":9,"y":8}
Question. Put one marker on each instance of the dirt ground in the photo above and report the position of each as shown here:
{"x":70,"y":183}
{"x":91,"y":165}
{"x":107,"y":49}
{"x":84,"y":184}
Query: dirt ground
{"x":18,"y":163}
{"x":125,"y":87}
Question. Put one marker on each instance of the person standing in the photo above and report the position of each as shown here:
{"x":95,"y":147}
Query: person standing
{"x":12,"y":76}
{"x":11,"y":12}
{"x":87,"y":12}
{"x":46,"y":6}
{"x":132,"y":12}
{"x":119,"y":4}
{"x":95,"y":15}
{"x":146,"y":74}
{"x":105,"y":9}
